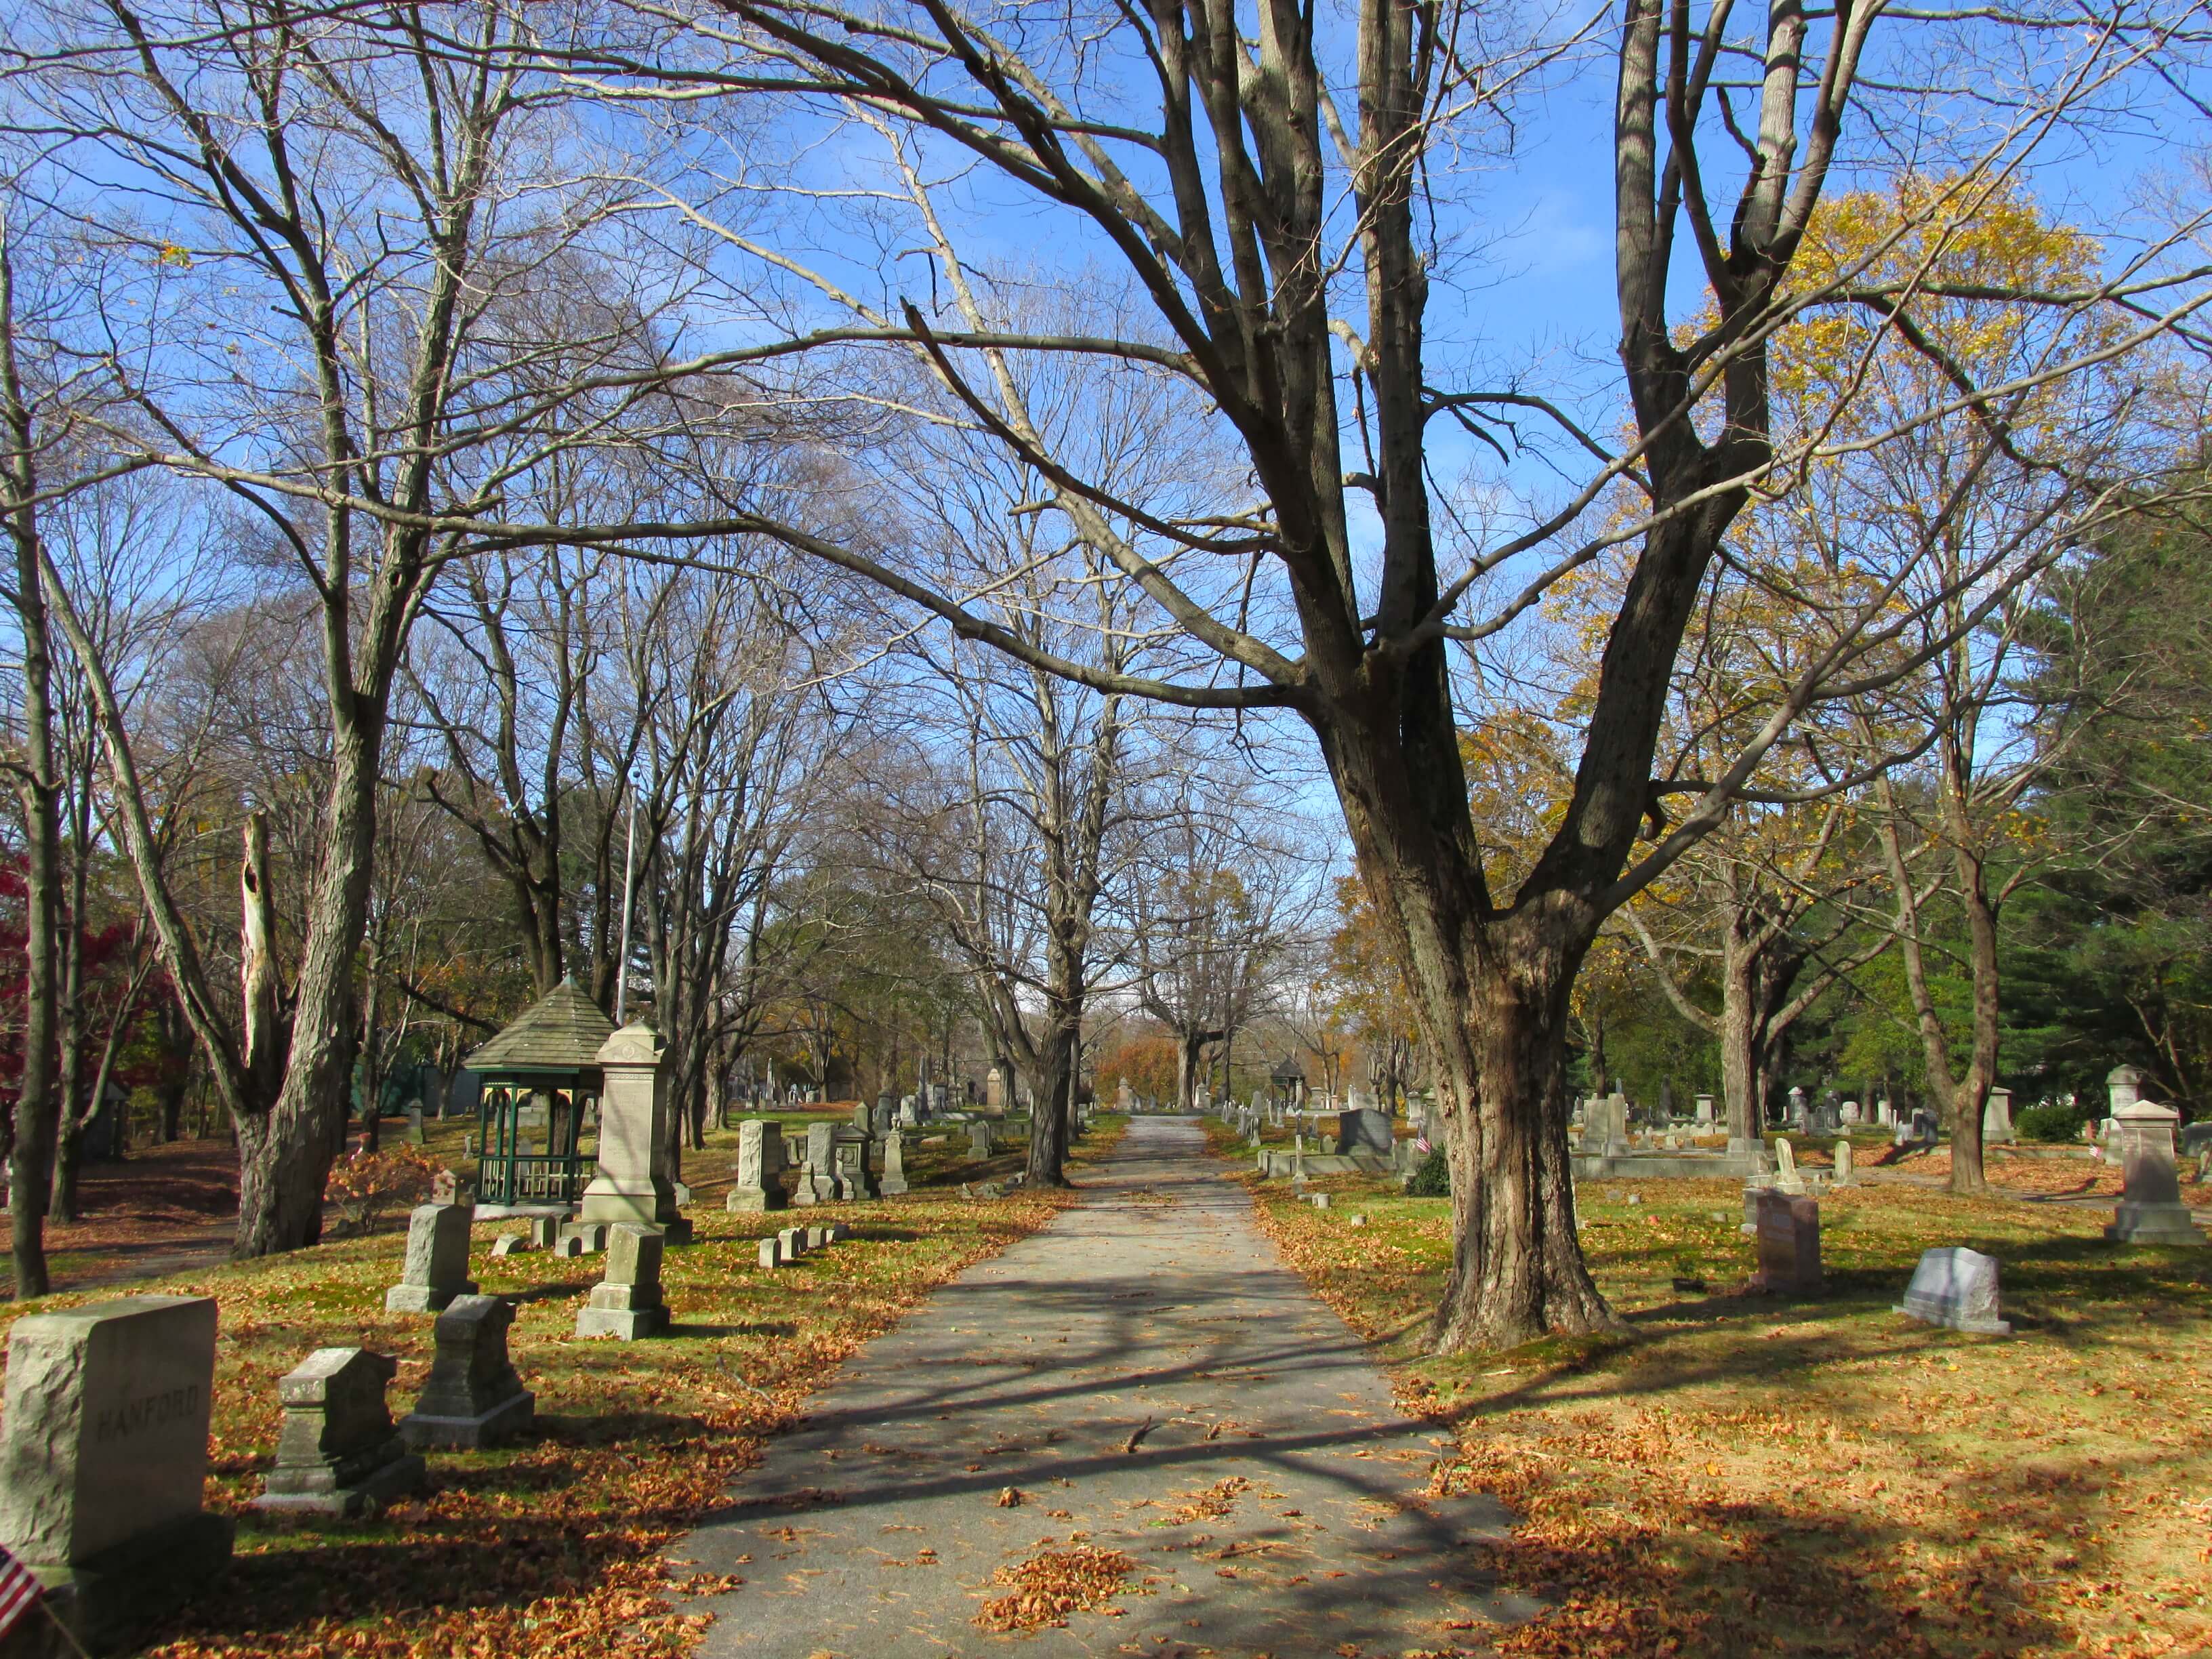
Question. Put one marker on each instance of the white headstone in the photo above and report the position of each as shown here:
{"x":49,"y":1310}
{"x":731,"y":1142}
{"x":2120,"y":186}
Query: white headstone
{"x":1956,"y":1287}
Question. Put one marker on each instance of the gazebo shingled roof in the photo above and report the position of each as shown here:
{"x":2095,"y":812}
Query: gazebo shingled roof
{"x":562,"y":1032}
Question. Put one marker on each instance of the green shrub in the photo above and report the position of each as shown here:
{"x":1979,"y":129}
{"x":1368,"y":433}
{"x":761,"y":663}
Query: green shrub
{"x":1433,"y":1178}
{"x":2053,"y":1122}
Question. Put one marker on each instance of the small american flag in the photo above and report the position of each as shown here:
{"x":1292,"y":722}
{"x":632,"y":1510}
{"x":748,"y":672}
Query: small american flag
{"x":19,"y":1591}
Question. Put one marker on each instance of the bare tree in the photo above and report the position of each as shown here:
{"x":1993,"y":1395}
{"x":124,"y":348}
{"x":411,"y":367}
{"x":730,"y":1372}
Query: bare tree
{"x":1210,"y":173}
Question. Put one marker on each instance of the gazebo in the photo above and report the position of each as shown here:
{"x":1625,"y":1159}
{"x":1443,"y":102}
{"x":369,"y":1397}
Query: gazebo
{"x":541,"y":1075}
{"x":1289,"y":1080}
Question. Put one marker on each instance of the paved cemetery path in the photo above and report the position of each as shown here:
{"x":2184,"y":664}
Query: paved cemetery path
{"x":1154,"y":1312}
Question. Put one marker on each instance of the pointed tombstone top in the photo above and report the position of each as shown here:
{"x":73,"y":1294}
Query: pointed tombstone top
{"x":562,"y":1032}
{"x":638,"y":1043}
{"x":1785,"y":1159}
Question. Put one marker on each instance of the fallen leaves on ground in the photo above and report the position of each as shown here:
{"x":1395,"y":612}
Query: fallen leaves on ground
{"x":1743,"y":1473}
{"x":1052,"y":1583}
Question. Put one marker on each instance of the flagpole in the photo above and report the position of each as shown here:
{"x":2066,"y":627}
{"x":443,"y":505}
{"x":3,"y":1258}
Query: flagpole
{"x":630,"y":862}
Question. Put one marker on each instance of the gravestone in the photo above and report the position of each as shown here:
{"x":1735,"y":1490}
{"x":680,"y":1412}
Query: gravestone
{"x":818,"y":1177}
{"x":1851,"y":1112}
{"x":1362,"y":1129}
{"x":979,"y":1139}
{"x":1957,"y":1287}
{"x":445,"y":1187}
{"x":437,"y":1265}
{"x":855,"y":1171}
{"x":994,"y":1090}
{"x":1997,"y":1119}
{"x":414,"y":1125}
{"x":1705,"y":1109}
{"x":2150,"y":1210}
{"x":1796,"y":1107}
{"x":771,"y":1253}
{"x":894,"y":1178}
{"x":1123,"y":1100}
{"x":1788,"y":1244}
{"x":1786,"y":1178}
{"x":634,"y":1181}
{"x":472,"y":1396}
{"x":626,"y":1303}
{"x":338,"y":1452}
{"x":792,"y":1242}
{"x":508,"y":1244}
{"x":543,"y":1231}
{"x":1605,"y":1125}
{"x":568,"y":1246}
{"x":1883,"y":1113}
{"x":759,"y":1186}
{"x":1842,"y":1176}
{"x":103,"y":1459}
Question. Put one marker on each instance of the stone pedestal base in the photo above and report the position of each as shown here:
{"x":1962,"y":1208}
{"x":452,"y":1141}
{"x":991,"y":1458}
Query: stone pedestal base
{"x":425,"y":1298}
{"x":2153,"y":1224}
{"x":296,"y":1492}
{"x":494,"y":1427}
{"x":754,"y":1200}
{"x":624,"y":1324}
{"x":892,"y":1186}
{"x":107,"y":1601}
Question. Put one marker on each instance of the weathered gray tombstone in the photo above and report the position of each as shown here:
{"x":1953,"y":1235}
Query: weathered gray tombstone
{"x":437,"y":1265}
{"x":1362,"y":1129}
{"x":508,"y":1244}
{"x":1786,"y":1178}
{"x":472,"y":1396}
{"x":1851,"y":1113}
{"x":338,"y":1452}
{"x":103,"y":1460}
{"x":568,"y":1246}
{"x":1884,"y":1114}
{"x":543,"y":1231}
{"x":1788,"y":1244}
{"x":819,"y":1238}
{"x":893,"y":1177}
{"x":1957,"y":1287}
{"x":1843,"y":1176}
{"x":771,"y":1253}
{"x":1997,"y":1119}
{"x":759,"y":1186}
{"x":1705,"y":1109}
{"x":979,"y":1139}
{"x":2150,"y":1210}
{"x":634,"y":1182}
{"x":865,"y":1116}
{"x":626,"y":1303}
{"x":792,"y":1241}
{"x":995,"y":1090}
{"x":856,"y":1170}
{"x":818,"y":1179}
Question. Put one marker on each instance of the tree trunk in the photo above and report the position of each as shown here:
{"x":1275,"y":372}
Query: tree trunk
{"x":1051,"y":1086}
{"x":1741,"y":1075}
{"x":1518,"y":1271}
{"x":284,"y":1155}
{"x":38,"y":1098}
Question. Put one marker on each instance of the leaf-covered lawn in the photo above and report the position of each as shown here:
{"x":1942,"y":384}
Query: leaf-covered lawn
{"x":554,"y":1547}
{"x":1742,"y":1474}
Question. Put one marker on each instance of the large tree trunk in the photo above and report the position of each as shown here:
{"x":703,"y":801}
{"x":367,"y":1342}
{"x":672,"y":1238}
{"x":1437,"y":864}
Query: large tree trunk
{"x":1053,"y":1084}
{"x":284,"y":1155}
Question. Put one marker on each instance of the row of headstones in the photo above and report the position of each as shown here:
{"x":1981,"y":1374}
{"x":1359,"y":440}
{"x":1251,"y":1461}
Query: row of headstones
{"x":103,"y":1453}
